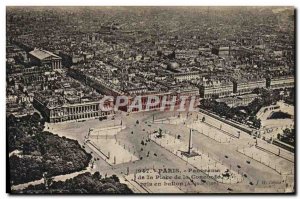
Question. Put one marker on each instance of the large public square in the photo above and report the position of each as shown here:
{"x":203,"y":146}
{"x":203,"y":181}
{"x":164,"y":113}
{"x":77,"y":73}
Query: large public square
{"x":146,"y":150}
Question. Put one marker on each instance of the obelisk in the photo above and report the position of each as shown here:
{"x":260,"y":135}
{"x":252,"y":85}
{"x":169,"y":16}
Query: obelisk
{"x":190,"y":143}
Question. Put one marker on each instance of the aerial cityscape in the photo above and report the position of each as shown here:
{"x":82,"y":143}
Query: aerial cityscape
{"x":150,"y":100}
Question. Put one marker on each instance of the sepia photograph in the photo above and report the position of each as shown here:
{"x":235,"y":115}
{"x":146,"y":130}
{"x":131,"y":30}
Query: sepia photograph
{"x":150,"y":100}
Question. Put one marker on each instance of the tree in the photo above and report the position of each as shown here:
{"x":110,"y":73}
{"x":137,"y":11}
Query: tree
{"x":97,"y":175}
{"x":41,"y":147}
{"x":222,"y":109}
{"x":288,"y":136}
{"x":115,"y":178}
{"x":256,"y":122}
{"x":278,"y":136}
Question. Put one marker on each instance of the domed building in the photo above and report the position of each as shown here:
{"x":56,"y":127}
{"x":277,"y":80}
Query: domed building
{"x":174,"y":66}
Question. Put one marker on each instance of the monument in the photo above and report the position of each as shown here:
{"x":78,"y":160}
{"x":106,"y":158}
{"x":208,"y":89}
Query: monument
{"x":190,"y":153}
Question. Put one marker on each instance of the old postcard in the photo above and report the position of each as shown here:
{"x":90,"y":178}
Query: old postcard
{"x":150,"y":100}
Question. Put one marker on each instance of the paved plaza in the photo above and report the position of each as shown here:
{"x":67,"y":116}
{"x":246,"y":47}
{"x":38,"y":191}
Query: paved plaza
{"x":220,"y":148}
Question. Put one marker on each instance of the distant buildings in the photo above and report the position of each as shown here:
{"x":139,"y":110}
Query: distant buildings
{"x":45,"y":58}
{"x":248,"y":84}
{"x":18,"y":103}
{"x":193,"y":59}
{"x":221,"y":88}
{"x":216,"y":88}
{"x":186,"y":54}
{"x":186,"y":76}
{"x":281,"y":82}
{"x":161,"y":89}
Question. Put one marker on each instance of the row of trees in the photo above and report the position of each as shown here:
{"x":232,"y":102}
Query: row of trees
{"x":83,"y":183}
{"x":241,"y":114}
{"x":245,"y":114}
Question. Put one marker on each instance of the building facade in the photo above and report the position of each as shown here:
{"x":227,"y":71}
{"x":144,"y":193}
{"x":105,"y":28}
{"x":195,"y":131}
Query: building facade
{"x":45,"y":58}
{"x":53,"y":112}
{"x":186,"y":76}
{"x":245,"y":86}
{"x":216,"y":89}
{"x":281,"y":82}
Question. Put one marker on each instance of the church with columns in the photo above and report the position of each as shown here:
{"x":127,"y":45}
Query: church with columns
{"x":42,"y":57}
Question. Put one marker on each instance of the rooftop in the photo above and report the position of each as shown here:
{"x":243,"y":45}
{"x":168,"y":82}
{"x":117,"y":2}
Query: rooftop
{"x":42,"y":54}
